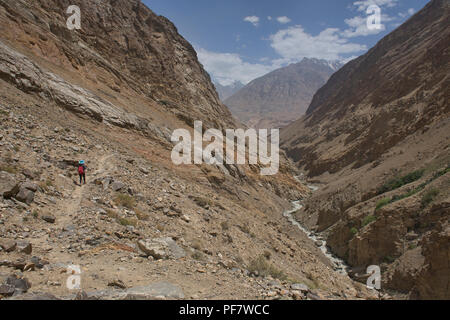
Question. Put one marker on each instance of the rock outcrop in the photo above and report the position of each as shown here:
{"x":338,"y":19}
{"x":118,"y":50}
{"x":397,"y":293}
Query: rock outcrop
{"x":122,"y":48}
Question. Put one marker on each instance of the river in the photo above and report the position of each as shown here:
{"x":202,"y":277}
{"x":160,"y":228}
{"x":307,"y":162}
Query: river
{"x":338,"y":264}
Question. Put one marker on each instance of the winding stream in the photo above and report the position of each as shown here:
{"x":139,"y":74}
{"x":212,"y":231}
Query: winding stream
{"x":338,"y":264}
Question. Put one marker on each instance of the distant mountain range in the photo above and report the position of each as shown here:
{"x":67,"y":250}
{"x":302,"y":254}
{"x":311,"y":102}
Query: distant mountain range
{"x":282,"y":96}
{"x":227,"y":91}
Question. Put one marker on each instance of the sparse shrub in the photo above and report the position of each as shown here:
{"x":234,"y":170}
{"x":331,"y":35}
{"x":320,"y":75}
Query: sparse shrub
{"x":368,"y":220}
{"x":160,"y":227}
{"x":429,"y":197}
{"x":8,"y":168}
{"x":45,"y":185}
{"x":202,"y":202}
{"x":35,"y":214}
{"x":407,"y":194}
{"x":239,"y":260}
{"x":400,"y":182}
{"x":354,"y":231}
{"x":245,"y":228}
{"x":199,"y":256}
{"x":225,"y":226}
{"x":112,"y":214}
{"x":228,"y":238}
{"x":125,"y":200}
{"x":264,"y":268}
{"x":441,"y":173}
{"x":141,"y":215}
{"x":267,"y":254}
{"x":382,"y":203}
{"x":197,"y":244}
{"x":127,"y":222}
{"x":9,"y":157}
{"x":164,"y":102}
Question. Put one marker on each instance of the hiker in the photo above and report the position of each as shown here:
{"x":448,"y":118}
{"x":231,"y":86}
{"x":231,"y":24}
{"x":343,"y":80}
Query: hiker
{"x":82,"y":171}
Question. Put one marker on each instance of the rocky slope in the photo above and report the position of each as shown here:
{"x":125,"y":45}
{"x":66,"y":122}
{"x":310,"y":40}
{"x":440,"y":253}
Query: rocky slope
{"x":280,"y":97}
{"x":376,"y":139}
{"x":141,"y":227}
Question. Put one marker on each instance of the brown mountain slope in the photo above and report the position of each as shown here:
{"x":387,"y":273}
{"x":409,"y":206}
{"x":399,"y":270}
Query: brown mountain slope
{"x":375,"y":101}
{"x":276,"y":99}
{"x":382,"y":117}
{"x":122,"y":47}
{"x":111,"y":94}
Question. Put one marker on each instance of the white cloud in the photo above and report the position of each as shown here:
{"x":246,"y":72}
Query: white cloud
{"x":408,"y":13}
{"x":293,"y":44}
{"x":358,"y":26}
{"x":283,"y":20}
{"x":269,"y":18}
{"x":254,"y":20}
{"x":226,"y":68}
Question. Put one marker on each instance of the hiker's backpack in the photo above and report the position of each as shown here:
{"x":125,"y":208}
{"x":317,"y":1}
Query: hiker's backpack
{"x":80,"y":170}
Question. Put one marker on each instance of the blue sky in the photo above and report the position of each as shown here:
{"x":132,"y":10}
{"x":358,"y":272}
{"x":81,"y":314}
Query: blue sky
{"x":240,"y":40}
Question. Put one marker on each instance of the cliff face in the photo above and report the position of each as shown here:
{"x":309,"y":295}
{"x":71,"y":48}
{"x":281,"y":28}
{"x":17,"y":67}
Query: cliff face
{"x":278,"y":98}
{"x":122,"y":47}
{"x":377,"y":137}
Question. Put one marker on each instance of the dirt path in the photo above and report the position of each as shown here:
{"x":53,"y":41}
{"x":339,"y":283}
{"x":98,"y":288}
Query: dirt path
{"x":70,"y":208}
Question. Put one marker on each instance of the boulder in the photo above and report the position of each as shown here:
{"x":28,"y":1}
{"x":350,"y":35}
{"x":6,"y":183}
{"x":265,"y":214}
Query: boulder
{"x":49,"y":218}
{"x":161,"y":248}
{"x":7,"y":290}
{"x":25,"y":196}
{"x":117,"y":283}
{"x":8,"y":245}
{"x":8,"y":185}
{"x":24,"y":247}
{"x":117,"y":186}
{"x":20,"y":284}
{"x":29,"y":186}
{"x":144,"y":170}
{"x":300,"y":287}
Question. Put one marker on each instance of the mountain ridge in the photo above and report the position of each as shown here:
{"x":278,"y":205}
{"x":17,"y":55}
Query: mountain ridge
{"x":281,"y":96}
